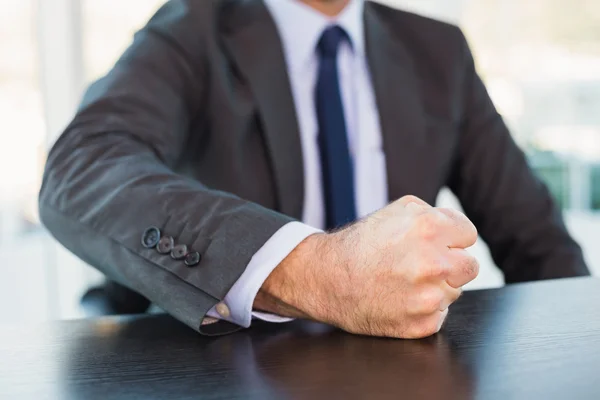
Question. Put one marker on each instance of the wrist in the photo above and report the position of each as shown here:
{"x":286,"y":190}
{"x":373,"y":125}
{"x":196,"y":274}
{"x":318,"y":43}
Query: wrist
{"x":294,"y":288}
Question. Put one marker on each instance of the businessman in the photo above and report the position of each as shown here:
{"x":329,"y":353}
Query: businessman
{"x":278,"y":159}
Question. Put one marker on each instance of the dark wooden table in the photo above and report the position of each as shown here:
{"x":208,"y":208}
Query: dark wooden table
{"x":532,"y":341}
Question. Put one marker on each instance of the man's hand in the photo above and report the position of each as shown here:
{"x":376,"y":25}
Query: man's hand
{"x":393,"y":274}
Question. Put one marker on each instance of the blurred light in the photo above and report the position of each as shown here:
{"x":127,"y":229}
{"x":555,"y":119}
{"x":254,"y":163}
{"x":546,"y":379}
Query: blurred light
{"x":577,"y":141}
{"x":507,"y":97}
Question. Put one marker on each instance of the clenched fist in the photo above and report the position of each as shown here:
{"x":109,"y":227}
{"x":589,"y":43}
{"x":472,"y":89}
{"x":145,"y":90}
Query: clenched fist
{"x":393,"y":274}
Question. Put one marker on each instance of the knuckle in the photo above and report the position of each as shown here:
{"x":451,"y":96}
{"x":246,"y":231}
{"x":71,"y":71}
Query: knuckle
{"x":433,"y":268}
{"x":425,"y":328}
{"x":462,"y":224}
{"x":430,"y":269}
{"x":427,"y":226}
{"x":468,"y":229}
{"x":430,"y":301}
{"x":409,"y":199}
{"x":472,"y":234}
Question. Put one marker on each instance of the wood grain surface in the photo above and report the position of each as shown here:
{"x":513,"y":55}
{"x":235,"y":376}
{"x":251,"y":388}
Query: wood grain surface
{"x":530,"y":341}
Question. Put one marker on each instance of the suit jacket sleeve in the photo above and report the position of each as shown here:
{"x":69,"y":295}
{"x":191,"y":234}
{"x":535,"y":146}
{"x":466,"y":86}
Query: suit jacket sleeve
{"x":110,"y":176}
{"x":512,"y":209}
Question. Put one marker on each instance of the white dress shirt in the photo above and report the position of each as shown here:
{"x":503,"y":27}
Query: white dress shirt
{"x":300,"y":28}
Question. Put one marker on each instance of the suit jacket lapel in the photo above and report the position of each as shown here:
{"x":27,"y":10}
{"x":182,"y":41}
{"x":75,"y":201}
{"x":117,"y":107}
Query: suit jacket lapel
{"x":253,"y":41}
{"x":399,"y":103}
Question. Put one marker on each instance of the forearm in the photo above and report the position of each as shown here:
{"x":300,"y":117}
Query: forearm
{"x":240,"y":298}
{"x":101,"y":192}
{"x":295,"y":288}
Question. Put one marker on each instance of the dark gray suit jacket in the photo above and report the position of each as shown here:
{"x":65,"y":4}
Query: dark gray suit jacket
{"x":194,"y":132}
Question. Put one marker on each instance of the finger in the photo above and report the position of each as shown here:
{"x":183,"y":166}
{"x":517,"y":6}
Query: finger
{"x":413,"y":201}
{"x":451,"y":295}
{"x":460,"y":232}
{"x":427,"y":326}
{"x":443,"y":318}
{"x":431,"y":298}
{"x":463,"y":269}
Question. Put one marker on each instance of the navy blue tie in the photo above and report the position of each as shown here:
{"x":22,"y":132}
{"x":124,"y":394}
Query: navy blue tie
{"x":336,"y":163}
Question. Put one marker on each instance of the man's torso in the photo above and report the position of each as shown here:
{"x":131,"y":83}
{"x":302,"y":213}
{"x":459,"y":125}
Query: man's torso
{"x":248,"y":143}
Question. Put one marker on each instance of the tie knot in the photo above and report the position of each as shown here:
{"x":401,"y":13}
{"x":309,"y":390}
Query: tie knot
{"x":330,"y":41}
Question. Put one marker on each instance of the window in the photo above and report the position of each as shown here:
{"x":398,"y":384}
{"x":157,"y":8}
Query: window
{"x":23,"y":246}
{"x":108,"y":27}
{"x":38,"y":279}
{"x":541,"y":63}
{"x":543,"y":75}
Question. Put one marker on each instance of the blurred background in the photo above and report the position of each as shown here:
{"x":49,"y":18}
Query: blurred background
{"x":539,"y":58}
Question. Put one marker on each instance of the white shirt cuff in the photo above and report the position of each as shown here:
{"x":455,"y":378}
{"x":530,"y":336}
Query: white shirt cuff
{"x":240,"y":297}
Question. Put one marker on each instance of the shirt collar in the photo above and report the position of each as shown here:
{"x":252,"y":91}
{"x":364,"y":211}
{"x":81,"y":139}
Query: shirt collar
{"x":301,"y":27}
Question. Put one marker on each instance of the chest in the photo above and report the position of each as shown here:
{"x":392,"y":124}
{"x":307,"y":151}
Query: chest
{"x":259,"y":125}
